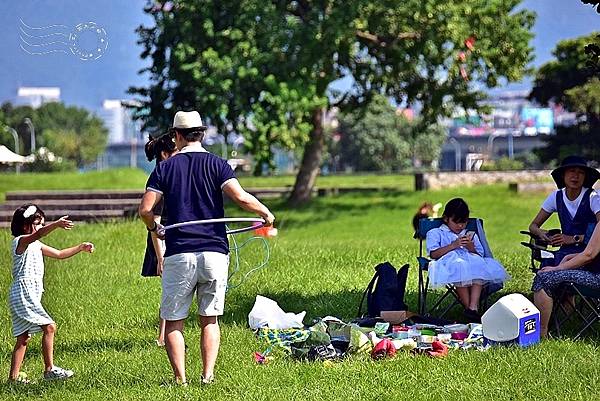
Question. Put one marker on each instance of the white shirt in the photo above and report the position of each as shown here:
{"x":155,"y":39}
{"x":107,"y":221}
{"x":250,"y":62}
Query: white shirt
{"x":549,"y":204}
{"x":193,"y":147}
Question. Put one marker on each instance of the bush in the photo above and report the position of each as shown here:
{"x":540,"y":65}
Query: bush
{"x":46,"y":161}
{"x":503,"y":164}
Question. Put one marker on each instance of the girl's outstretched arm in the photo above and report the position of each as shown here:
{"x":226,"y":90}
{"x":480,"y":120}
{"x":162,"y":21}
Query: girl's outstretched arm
{"x":67,"y":252}
{"x":25,"y":240}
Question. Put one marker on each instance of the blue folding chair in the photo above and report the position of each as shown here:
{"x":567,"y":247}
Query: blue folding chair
{"x":426,"y":224}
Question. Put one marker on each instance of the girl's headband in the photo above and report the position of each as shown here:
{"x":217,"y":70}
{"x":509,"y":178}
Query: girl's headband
{"x":29,"y":211}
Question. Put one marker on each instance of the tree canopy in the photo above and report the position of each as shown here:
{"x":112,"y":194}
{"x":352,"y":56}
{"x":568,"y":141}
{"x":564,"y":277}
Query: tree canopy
{"x":69,"y":132}
{"x":378,"y":138}
{"x":570,"y":81}
{"x":568,"y":70}
{"x":265,"y":68}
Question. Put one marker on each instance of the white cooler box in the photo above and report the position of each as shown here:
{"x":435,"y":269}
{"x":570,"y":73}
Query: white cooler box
{"x":512,"y":320}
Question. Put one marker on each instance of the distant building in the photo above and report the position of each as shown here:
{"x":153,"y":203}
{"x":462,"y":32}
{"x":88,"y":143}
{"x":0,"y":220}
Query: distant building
{"x":125,"y":142}
{"x":512,"y":113}
{"x":117,"y":118}
{"x":37,"y":96}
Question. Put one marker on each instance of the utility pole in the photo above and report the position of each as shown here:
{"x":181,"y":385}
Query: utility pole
{"x":16,"y":138}
{"x":29,"y":123}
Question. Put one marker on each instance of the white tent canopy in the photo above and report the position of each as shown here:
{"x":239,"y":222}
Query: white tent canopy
{"x":8,"y":156}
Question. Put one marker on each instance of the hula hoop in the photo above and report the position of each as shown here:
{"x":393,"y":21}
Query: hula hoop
{"x":220,"y":220}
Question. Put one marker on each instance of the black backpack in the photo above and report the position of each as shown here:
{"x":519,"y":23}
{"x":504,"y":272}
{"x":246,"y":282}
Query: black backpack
{"x":386,"y":290}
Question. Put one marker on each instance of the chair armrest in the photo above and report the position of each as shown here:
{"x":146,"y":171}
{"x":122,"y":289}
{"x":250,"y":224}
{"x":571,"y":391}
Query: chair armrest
{"x":536,"y":239}
{"x":423,"y":262}
{"x":535,"y":247}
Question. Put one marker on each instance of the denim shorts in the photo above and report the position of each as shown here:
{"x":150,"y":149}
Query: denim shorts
{"x":185,"y":274}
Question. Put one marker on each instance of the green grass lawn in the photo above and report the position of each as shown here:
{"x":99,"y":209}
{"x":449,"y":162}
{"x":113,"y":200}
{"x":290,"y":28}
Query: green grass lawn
{"x":320,"y":262}
{"x":129,"y":178}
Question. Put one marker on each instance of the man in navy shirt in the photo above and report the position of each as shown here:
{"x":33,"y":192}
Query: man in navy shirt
{"x":197,"y":256}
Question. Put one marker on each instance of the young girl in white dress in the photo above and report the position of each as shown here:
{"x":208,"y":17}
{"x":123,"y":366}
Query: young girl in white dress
{"x":458,"y":258}
{"x":25,"y":294}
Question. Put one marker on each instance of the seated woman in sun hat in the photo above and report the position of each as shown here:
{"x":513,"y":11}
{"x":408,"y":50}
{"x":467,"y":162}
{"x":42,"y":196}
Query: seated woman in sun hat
{"x":576,"y":203}
{"x":581,"y":268}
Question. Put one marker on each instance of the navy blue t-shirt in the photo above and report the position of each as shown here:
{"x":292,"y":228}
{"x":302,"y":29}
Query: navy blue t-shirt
{"x":191,"y":184}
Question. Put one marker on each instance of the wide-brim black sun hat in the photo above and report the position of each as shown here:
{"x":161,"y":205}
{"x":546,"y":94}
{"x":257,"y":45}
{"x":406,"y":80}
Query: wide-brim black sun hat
{"x":591,"y":174}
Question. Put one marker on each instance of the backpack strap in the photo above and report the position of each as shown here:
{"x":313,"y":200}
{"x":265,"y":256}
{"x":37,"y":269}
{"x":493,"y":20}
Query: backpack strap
{"x":368,"y":293}
{"x":402,"y":276}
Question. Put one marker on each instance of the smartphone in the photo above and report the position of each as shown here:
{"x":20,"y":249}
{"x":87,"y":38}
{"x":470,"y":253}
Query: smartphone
{"x":470,"y":235}
{"x":553,"y":231}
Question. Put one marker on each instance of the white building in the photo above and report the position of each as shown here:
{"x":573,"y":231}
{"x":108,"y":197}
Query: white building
{"x":118,"y":120}
{"x":36,"y":96}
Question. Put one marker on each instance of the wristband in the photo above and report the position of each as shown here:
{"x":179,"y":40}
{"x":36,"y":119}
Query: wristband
{"x":153,"y":228}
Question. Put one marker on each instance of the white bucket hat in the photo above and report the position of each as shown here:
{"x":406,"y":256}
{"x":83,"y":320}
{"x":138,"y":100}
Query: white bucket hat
{"x":187,"y":120}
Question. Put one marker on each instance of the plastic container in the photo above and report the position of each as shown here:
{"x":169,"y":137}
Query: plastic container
{"x":512,"y":320}
{"x":457,"y":328}
{"x":413,"y":333}
{"x":458,"y":336}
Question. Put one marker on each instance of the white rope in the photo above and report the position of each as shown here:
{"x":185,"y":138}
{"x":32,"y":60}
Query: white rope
{"x":235,"y":249}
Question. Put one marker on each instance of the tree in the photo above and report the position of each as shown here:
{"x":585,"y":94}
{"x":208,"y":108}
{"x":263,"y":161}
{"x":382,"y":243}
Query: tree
{"x":14,"y":117}
{"x":566,"y":71}
{"x":568,"y":80}
{"x":378,"y":138}
{"x":67,"y":131}
{"x":218,"y":56}
{"x":375,"y":139}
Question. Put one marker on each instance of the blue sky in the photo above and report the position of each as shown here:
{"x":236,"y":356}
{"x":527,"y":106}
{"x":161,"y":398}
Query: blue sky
{"x":87,"y":83}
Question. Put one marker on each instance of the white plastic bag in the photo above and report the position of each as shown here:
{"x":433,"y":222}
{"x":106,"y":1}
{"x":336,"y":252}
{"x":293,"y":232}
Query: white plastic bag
{"x":266,"y":313}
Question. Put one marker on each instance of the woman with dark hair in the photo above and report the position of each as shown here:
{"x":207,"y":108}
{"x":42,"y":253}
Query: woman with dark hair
{"x":159,"y":149}
{"x":577,"y":206}
{"x":581,"y":268}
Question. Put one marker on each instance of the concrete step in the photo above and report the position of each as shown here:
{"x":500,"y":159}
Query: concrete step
{"x":90,"y":216}
{"x":75,"y":215}
{"x":74,"y":204}
{"x":34,"y":196}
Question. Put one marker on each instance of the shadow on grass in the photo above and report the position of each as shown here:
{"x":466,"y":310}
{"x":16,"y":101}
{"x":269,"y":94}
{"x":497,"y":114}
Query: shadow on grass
{"x":342,"y":304}
{"x":331,"y":208}
{"x":99,"y":344}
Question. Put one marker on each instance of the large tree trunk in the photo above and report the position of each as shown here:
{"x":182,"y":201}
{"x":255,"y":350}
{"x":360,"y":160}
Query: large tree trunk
{"x":311,"y":160}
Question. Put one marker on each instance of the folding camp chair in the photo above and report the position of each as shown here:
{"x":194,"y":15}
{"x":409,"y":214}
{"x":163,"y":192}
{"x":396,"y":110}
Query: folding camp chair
{"x":450,"y":294}
{"x":576,"y":307}
{"x":581,"y":311}
{"x":542,"y":253}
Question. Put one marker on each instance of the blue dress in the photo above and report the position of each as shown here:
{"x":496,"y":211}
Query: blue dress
{"x":460,"y":267}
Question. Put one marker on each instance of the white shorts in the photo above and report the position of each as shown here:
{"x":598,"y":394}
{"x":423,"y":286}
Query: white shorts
{"x":202,"y":273}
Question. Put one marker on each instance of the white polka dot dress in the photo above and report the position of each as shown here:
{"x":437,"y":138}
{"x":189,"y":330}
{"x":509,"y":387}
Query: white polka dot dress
{"x":25,"y":294}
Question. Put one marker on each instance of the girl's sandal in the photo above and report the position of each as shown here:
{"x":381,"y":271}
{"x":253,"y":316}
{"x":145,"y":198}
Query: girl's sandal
{"x":21,"y":379}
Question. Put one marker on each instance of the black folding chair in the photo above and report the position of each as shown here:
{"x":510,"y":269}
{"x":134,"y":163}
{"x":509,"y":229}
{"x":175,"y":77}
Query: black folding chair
{"x":541,"y":251}
{"x":440,"y":303}
{"x":577,"y":308}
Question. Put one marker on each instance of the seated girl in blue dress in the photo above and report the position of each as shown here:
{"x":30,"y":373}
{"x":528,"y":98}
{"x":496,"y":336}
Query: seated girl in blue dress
{"x":458,"y":258}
